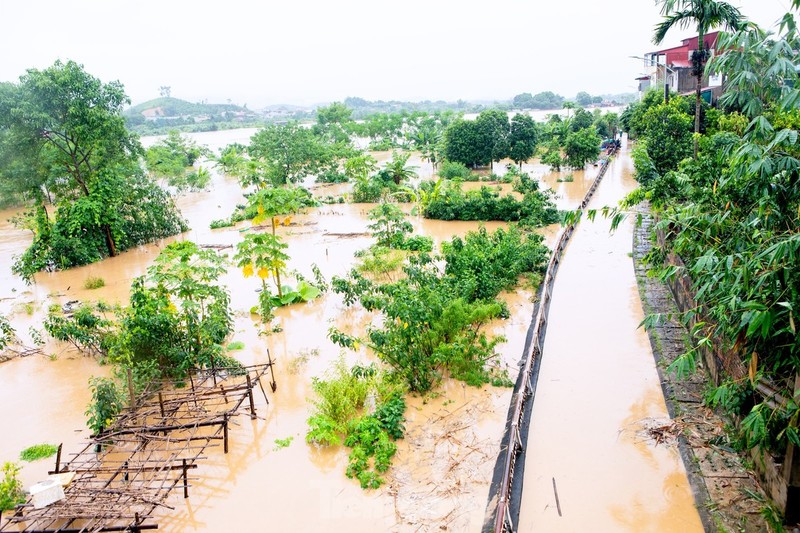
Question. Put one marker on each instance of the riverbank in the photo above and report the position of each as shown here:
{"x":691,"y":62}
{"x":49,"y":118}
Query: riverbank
{"x":726,"y":493}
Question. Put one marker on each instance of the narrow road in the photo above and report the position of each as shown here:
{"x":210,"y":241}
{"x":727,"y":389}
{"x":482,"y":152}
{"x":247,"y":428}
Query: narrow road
{"x":597,"y":390}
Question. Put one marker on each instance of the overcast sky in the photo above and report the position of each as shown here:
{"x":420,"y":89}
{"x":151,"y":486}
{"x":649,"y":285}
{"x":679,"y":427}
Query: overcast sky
{"x":311,"y":51}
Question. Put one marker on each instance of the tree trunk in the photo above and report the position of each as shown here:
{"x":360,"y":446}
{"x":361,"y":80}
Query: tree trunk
{"x":699,"y":76}
{"x":112,"y":247}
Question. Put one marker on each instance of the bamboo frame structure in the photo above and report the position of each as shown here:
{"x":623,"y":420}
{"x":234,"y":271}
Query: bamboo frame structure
{"x":122,"y":476}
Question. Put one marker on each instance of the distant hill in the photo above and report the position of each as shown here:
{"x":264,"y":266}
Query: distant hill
{"x":175,"y":107}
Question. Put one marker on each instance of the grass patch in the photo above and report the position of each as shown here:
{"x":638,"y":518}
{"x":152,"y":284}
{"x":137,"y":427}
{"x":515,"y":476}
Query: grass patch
{"x":298,"y":362}
{"x":38,"y":451}
{"x":569,"y":178}
{"x":235,"y":345}
{"x":283,"y":443}
{"x":94,"y":282}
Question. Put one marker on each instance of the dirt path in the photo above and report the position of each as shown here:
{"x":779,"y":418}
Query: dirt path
{"x":594,"y":436}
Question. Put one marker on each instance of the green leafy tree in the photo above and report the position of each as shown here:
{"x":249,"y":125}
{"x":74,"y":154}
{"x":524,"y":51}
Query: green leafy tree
{"x":360,"y":167}
{"x":11,"y":491}
{"x":580,"y":120}
{"x":547,"y":100}
{"x":398,"y":170}
{"x":583,"y":99}
{"x":188,"y":276}
{"x":389,"y":226}
{"x":522,"y":101}
{"x":66,"y":127}
{"x":581,"y":147}
{"x":669,"y":135}
{"x":285,"y":153}
{"x":478,"y":142}
{"x":522,"y":138}
{"x":704,"y":15}
{"x":427,"y":139}
{"x":336,"y":113}
{"x":171,"y":157}
{"x":262,"y":254}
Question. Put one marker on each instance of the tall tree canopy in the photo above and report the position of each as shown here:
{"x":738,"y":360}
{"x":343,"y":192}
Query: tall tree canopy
{"x":478,"y":142}
{"x":285,"y":153}
{"x":704,"y":14}
{"x":62,"y":137}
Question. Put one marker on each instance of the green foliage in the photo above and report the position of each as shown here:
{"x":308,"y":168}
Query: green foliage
{"x":7,"y":333}
{"x":178,"y":316}
{"x":391,"y":415}
{"x":543,"y":100}
{"x":669,"y":135}
{"x":433,"y":318}
{"x":107,"y":402}
{"x":451,"y":202}
{"x":11,"y":493}
{"x":484,"y":264}
{"x":235,"y":345}
{"x":338,"y":417}
{"x":285,"y":153}
{"x":283,"y":443}
{"x":452,"y":170}
{"x":553,"y":158}
{"x":170,"y":158}
{"x":731,"y":214}
{"x":384,"y":184}
{"x":581,"y":146}
{"x":372,"y":451}
{"x":94,"y":282}
{"x":38,"y":451}
{"x":523,"y":137}
{"x":340,"y":395}
{"x":65,"y":127}
{"x":478,"y":142}
{"x":87,"y":331}
{"x":390,"y":227}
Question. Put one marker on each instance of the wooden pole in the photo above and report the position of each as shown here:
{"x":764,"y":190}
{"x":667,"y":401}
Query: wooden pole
{"x":185,"y":481}
{"x":58,"y":458}
{"x":271,"y":371}
{"x":161,"y":404}
{"x":225,"y":433}
{"x":194,"y":396}
{"x":250,"y":397}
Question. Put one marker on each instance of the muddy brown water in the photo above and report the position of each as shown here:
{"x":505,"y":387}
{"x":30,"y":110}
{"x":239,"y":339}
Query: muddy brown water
{"x":597,"y":391}
{"x":441,"y":473}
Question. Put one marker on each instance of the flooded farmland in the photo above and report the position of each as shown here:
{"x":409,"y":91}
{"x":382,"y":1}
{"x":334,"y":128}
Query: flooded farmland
{"x":441,"y":474}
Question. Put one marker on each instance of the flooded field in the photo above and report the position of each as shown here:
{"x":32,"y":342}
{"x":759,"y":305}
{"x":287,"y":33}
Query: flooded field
{"x":441,"y":473}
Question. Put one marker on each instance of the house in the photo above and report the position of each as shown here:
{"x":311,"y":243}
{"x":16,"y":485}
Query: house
{"x":675,"y":66}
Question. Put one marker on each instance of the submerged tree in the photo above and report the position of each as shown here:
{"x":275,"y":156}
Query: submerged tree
{"x":62,"y":135}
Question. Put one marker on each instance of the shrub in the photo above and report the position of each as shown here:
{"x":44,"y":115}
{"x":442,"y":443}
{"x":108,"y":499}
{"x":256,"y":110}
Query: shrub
{"x":454,"y":170}
{"x":93,"y":282}
{"x":38,"y":451}
{"x":106,"y":404}
{"x":11,"y":493}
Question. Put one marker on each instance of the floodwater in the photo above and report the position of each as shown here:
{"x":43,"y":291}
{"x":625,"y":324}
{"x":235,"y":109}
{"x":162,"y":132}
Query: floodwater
{"x":441,"y":474}
{"x":597,"y":391}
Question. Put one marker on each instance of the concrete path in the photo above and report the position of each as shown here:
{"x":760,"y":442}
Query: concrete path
{"x":598,"y":391}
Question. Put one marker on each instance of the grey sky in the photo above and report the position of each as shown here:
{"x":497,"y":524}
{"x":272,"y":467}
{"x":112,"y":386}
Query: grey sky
{"x":309,"y":51}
